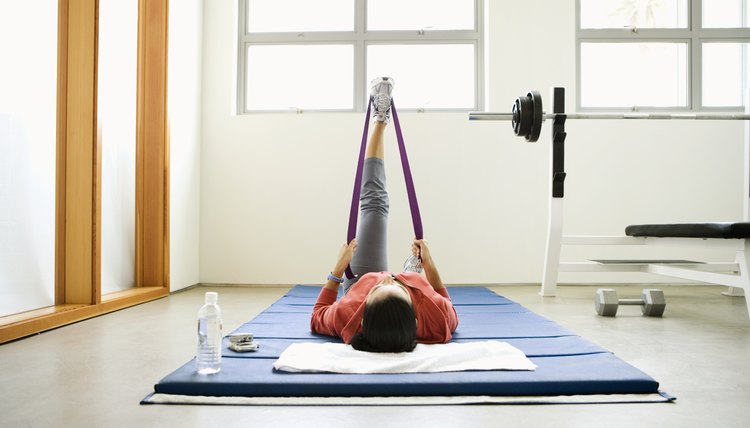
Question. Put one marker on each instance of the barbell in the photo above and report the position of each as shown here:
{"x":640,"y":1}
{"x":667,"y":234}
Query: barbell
{"x":527,"y":115}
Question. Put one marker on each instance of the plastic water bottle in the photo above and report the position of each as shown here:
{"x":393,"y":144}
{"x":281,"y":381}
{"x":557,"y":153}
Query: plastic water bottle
{"x":208,"y":360}
{"x":413,"y":264}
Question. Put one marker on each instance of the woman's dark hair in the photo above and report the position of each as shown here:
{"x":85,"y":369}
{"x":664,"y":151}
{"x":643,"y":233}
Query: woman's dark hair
{"x":388,"y":325}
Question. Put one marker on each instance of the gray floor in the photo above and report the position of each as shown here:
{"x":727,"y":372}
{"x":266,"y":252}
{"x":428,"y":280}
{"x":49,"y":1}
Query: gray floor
{"x":95,"y":372}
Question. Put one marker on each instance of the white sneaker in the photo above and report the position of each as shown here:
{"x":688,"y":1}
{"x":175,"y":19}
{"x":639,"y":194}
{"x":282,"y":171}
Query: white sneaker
{"x":380,"y":90}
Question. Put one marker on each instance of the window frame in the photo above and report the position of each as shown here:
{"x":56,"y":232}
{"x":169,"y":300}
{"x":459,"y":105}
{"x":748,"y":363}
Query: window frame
{"x":360,"y":38}
{"x":694,"y":35}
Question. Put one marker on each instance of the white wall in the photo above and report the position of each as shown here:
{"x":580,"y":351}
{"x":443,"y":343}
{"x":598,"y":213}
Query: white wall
{"x":185,"y":50}
{"x":275,"y":188}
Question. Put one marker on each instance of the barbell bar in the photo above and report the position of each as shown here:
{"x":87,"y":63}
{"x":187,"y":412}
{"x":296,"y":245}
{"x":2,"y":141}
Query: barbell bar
{"x":527,"y":115}
{"x":617,"y":116}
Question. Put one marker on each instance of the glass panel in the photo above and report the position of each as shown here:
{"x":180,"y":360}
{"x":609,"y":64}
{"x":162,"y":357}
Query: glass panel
{"x":118,"y":55}
{"x":427,"y":76}
{"x":420,"y":15}
{"x":634,"y":74}
{"x":284,"y":77}
{"x":724,"y":66}
{"x":273,"y":16}
{"x":28,"y":97}
{"x":724,"y":14}
{"x":634,"y":13}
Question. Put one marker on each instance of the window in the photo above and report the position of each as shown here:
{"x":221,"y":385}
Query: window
{"x":662,"y":54}
{"x":290,"y":62}
{"x":281,"y":77}
{"x":27,"y":155}
{"x":116,"y":117}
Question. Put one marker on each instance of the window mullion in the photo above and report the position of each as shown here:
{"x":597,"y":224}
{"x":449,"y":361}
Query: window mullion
{"x":376,"y":36}
{"x":426,"y":36}
{"x":241,"y":57}
{"x":641,"y":35}
{"x":300,"y":37}
{"x":360,"y":60}
{"x":479,"y":62}
{"x":695,"y":72}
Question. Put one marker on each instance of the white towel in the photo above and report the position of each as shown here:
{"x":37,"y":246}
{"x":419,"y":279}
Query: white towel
{"x":449,"y":357}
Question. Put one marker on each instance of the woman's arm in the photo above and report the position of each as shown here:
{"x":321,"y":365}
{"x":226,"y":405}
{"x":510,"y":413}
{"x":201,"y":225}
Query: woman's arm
{"x":345,"y":256}
{"x":420,"y":249}
{"x":323,"y":316}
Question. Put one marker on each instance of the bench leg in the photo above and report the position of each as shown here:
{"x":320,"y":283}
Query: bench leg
{"x":554,"y":247}
{"x":743,"y":261}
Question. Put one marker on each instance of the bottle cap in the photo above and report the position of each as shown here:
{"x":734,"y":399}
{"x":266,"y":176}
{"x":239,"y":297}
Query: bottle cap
{"x":212,"y":297}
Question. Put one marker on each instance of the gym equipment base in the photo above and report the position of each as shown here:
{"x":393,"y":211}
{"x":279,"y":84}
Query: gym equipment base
{"x":571,"y":369}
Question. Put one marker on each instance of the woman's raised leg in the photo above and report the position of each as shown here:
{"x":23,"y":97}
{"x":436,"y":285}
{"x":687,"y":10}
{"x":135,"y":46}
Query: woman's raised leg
{"x":371,"y":254}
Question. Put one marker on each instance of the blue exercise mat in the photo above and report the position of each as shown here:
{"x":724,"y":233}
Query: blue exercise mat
{"x":567,"y":364}
{"x":566,"y":375}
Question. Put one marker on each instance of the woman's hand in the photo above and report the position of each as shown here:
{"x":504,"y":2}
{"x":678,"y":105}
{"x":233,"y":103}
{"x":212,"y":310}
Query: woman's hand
{"x":419,"y":248}
{"x":345,"y":257}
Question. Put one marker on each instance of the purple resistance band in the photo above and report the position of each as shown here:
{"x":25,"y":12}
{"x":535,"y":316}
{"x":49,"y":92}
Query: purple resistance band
{"x":416,"y":218}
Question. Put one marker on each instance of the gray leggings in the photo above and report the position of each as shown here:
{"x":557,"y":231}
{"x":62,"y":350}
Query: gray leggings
{"x":371,"y":254}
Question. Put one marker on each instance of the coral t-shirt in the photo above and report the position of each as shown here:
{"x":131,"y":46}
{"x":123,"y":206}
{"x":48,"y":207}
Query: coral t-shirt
{"x":436,"y":317}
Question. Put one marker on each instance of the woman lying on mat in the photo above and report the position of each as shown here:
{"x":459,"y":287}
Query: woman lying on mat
{"x":382,"y":311}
